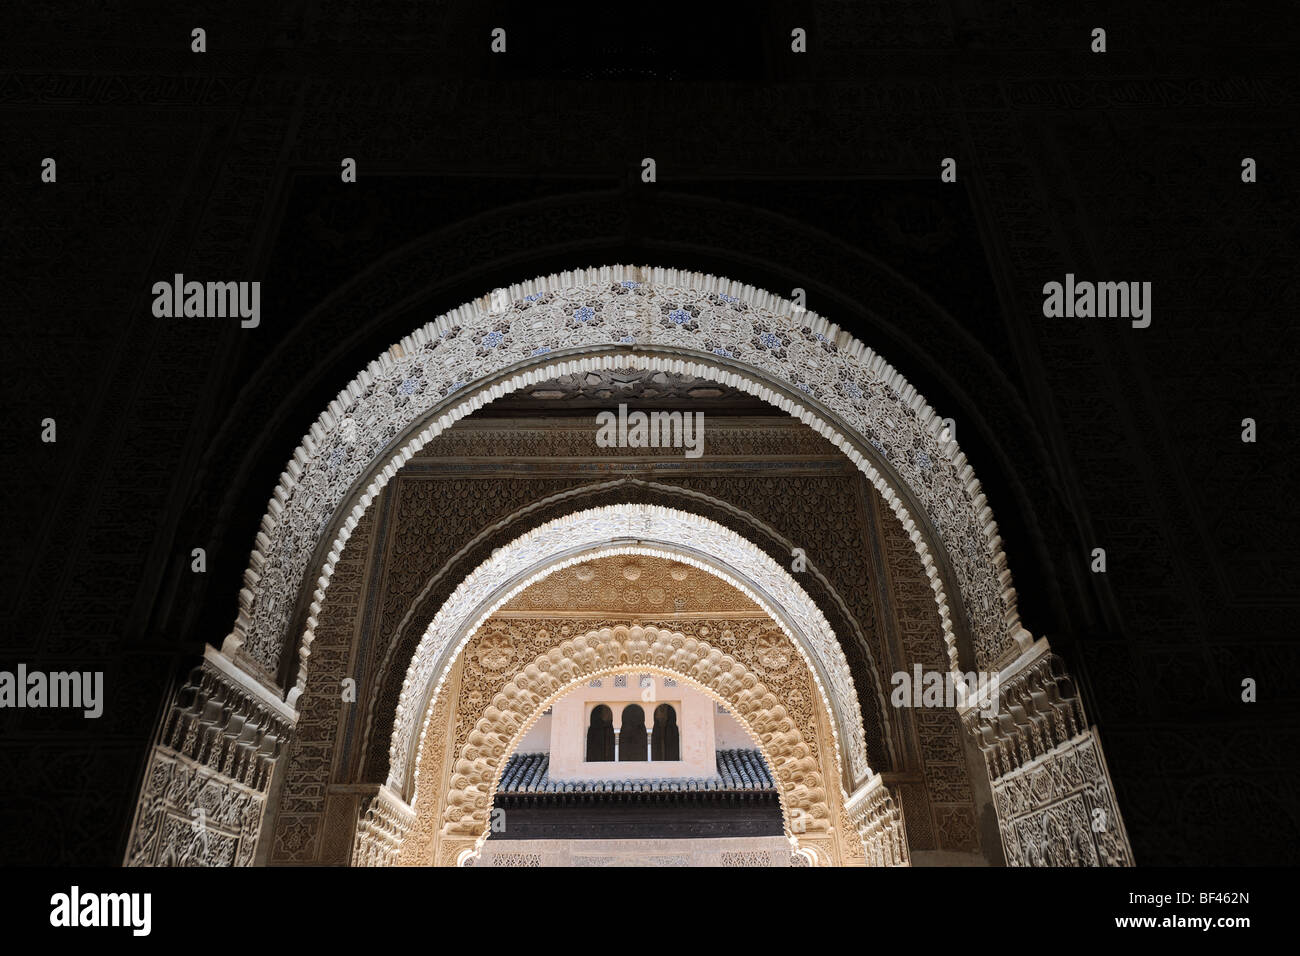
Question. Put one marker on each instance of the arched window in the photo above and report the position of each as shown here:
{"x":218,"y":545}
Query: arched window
{"x":600,"y":735}
{"x":631,"y":735}
{"x":666,"y":742}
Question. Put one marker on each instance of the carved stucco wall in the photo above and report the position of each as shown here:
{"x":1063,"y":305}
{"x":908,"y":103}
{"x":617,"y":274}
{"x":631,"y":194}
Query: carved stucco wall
{"x":513,"y":669}
{"x":1055,"y":800}
{"x":205,"y":789}
{"x":940,"y":805}
{"x":877,"y":815}
{"x":1059,"y":810}
{"x":311,"y":823}
{"x":709,"y":327}
{"x":637,"y":586}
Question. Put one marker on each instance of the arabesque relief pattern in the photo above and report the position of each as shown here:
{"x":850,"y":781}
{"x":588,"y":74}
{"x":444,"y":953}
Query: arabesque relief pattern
{"x":385,"y":822}
{"x":205,"y":788}
{"x":1059,"y":810}
{"x":635,"y":586}
{"x":941,"y":812}
{"x":310,"y":765}
{"x":1056,"y":805}
{"x":877,"y":813}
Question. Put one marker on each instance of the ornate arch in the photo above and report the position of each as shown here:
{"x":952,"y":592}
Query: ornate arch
{"x":650,"y":530}
{"x":802,"y":784}
{"x":631,"y":317}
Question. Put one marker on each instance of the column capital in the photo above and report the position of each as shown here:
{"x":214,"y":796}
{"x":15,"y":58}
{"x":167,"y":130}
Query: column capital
{"x":876,"y":811}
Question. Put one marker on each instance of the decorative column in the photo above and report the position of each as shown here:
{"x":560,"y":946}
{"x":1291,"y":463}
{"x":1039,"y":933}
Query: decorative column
{"x":204,"y":792}
{"x":877,"y":813}
{"x":1054,"y":797}
{"x":385,"y":821}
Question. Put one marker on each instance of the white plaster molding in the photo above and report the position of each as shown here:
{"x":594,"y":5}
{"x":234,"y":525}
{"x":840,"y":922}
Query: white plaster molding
{"x":246,"y":681}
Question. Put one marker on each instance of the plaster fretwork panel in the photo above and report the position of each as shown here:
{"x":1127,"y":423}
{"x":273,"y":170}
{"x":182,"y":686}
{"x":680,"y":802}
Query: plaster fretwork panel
{"x":206,"y":785}
{"x":171,"y":832}
{"x":1055,"y":801}
{"x":441,"y":732}
{"x":877,"y":813}
{"x":634,"y":586}
{"x":1059,"y":810}
{"x":323,"y":711}
{"x":941,"y":810}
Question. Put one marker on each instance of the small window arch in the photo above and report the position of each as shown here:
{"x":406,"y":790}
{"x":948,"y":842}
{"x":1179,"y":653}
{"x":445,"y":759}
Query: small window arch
{"x":631,"y":734}
{"x":666,"y":740}
{"x":600,"y":734}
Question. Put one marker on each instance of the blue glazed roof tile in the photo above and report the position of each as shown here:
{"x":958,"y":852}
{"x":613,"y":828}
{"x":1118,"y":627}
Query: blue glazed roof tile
{"x":737,"y":770}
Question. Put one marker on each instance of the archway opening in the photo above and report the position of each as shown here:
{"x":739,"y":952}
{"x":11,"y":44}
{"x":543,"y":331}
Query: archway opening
{"x":704,"y":792}
{"x":699,"y":687}
{"x":794,"y":362}
{"x":628,"y":530}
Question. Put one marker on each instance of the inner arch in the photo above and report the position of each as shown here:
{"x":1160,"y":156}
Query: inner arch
{"x":627,"y":529}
